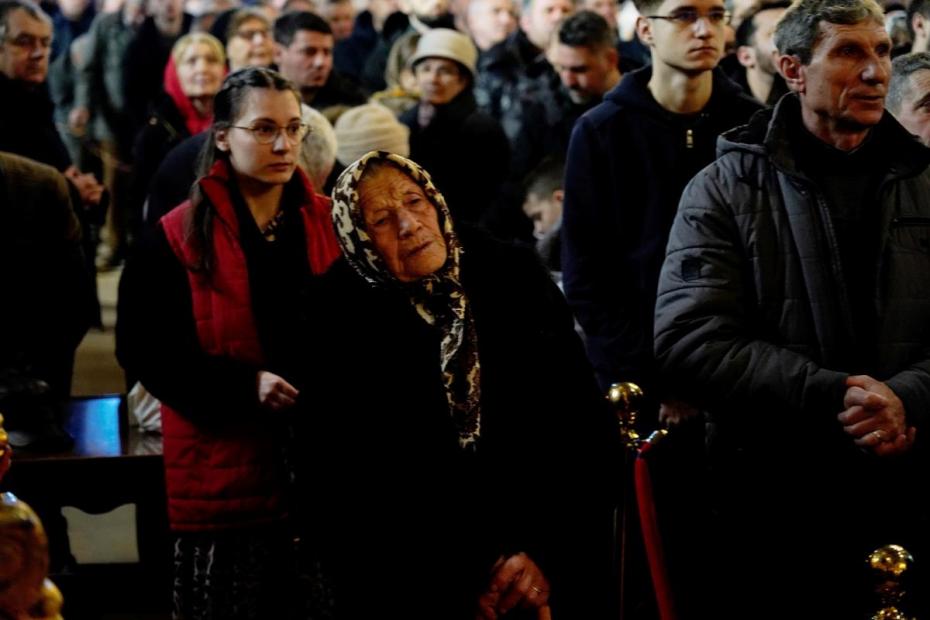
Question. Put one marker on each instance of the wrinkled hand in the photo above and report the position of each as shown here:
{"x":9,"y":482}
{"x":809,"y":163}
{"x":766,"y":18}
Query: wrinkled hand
{"x":675,"y":412}
{"x":515,"y":581}
{"x":875,"y":417}
{"x":88,"y":187}
{"x":274,"y":393}
{"x":78,"y":118}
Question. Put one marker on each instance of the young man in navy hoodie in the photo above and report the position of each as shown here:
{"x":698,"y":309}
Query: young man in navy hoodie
{"x":628,"y":162}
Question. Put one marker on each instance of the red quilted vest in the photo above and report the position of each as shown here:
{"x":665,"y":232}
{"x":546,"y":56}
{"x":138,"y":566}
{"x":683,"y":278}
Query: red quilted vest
{"x":229,"y":476}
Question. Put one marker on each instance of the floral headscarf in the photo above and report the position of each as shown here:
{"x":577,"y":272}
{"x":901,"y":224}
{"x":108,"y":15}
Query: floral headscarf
{"x":438,"y":298}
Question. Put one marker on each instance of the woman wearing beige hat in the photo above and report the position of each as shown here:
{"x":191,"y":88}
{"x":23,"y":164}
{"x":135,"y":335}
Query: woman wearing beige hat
{"x":446,"y":127}
{"x":369,"y":127}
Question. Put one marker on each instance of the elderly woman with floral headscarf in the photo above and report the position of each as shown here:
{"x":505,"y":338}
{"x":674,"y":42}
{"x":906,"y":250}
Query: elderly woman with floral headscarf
{"x":456,"y":417}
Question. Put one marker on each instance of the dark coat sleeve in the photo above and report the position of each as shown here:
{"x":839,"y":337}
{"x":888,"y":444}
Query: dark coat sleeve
{"x":156,"y":341}
{"x":154,"y":141}
{"x":170,"y":185}
{"x":597,"y":282}
{"x":706,"y":342}
{"x":138,"y":76}
{"x":544,"y":408}
{"x":491,"y":151}
{"x":912,"y":386}
{"x":49,"y":290}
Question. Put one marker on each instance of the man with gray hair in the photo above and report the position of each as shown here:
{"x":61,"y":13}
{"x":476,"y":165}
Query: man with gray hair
{"x":909,"y":93}
{"x":794,"y":309}
{"x":490,"y":21}
{"x":27,"y":126}
{"x":515,"y":74}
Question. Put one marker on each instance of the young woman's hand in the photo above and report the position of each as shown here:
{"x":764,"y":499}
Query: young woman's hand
{"x":274,"y":393}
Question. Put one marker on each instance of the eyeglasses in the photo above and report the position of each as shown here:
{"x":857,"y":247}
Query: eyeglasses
{"x":267,"y":133}
{"x":30,"y":42}
{"x":687,"y":17}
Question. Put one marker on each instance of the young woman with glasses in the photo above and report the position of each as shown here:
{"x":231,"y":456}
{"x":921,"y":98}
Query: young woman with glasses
{"x":212,"y":309}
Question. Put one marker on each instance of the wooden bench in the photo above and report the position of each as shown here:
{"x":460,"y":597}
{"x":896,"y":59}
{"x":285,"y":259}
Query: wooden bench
{"x":110,"y":465}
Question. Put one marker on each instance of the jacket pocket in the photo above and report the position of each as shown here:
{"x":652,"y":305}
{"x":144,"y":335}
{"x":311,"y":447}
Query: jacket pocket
{"x":910,"y":234}
{"x":908,"y":269}
{"x":900,"y":222}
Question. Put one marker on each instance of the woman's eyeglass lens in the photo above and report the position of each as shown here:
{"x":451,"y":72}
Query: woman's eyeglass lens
{"x":267,"y":133}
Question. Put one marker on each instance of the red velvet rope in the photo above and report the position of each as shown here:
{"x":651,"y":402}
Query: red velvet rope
{"x":649,"y":522}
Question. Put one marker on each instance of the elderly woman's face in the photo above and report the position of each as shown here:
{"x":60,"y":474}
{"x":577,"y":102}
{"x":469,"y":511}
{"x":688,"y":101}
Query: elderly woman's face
{"x":402,"y":223}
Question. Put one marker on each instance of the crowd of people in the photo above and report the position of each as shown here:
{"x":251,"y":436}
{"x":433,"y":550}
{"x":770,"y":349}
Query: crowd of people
{"x":359,"y":251}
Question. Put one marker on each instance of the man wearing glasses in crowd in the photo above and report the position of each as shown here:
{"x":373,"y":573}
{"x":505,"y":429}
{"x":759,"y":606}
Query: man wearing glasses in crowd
{"x":27,"y":126}
{"x":628,"y":161}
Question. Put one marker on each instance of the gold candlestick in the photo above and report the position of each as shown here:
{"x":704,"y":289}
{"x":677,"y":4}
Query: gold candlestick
{"x":4,"y":449}
{"x":25,"y":592}
{"x":626,"y":398}
{"x":889,"y":566}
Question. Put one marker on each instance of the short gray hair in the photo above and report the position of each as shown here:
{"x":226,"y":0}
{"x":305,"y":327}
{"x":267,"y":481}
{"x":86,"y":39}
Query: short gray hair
{"x":798,"y":30}
{"x":32,"y":9}
{"x":318,"y":150}
{"x":902,"y":68}
{"x":527,"y":5}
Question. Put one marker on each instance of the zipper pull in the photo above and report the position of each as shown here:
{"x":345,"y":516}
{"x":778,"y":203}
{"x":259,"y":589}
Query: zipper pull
{"x":689,"y":139}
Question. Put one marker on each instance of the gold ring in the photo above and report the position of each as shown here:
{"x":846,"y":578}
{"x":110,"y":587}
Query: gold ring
{"x":537,"y":589}
{"x":880,"y":434}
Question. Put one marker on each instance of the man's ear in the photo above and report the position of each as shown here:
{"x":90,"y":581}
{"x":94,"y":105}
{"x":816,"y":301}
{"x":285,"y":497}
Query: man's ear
{"x":792,"y":70}
{"x":746,"y":56}
{"x":558,"y":196}
{"x":644,"y":30}
{"x":613,"y":57}
{"x":222,"y":140}
{"x":278,"y":53}
{"x":919,"y":24}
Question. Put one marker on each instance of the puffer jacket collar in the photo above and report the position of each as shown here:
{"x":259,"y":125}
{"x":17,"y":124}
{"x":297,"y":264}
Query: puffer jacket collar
{"x":768,"y":131}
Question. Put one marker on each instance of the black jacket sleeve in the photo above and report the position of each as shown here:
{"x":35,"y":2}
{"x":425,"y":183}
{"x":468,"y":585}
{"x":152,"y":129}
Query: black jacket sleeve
{"x":705,"y":340}
{"x":598,"y":284}
{"x":157,"y":343}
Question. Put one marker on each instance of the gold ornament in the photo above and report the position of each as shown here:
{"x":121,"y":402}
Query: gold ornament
{"x":890,"y":565}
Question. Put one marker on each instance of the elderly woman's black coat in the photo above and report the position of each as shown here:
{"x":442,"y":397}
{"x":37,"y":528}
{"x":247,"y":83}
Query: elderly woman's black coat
{"x":406,"y":522}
